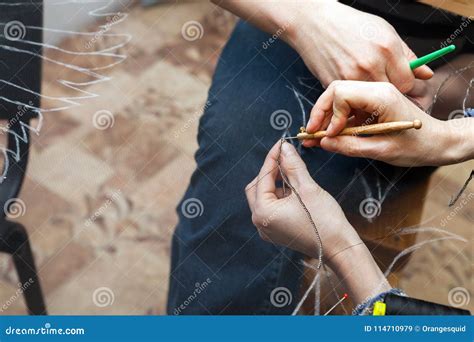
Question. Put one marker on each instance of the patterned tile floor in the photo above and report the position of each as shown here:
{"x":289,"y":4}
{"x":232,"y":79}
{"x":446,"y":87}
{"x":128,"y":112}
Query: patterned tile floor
{"x":96,"y":209}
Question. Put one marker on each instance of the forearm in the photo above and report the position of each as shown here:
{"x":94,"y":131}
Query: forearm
{"x":361,"y":275}
{"x":458,"y":140}
{"x":273,"y":16}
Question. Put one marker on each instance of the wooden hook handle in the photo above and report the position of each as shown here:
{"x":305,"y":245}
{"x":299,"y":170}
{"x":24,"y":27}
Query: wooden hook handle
{"x":380,"y":128}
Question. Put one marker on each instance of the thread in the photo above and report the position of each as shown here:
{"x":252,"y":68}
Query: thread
{"x":463,"y":188}
{"x":303,"y":206}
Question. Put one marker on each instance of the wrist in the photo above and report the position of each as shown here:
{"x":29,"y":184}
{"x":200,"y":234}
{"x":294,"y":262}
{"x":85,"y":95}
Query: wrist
{"x":309,"y":20}
{"x":341,"y":260}
{"x":457,"y":142}
{"x":465,"y":140}
{"x":332,"y":246}
{"x":345,"y":244}
{"x":358,"y":270}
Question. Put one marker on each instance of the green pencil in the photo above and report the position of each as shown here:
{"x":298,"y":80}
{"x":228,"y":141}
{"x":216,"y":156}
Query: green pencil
{"x":431,"y":57}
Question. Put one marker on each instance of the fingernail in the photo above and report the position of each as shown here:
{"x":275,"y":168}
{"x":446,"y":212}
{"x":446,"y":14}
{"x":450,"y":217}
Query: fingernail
{"x":309,"y":123}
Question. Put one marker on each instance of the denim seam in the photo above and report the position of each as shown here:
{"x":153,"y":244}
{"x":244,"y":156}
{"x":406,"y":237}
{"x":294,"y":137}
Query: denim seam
{"x":365,"y":308}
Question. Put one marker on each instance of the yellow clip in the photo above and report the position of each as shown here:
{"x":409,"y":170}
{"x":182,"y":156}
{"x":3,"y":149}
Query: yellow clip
{"x":379,"y":309}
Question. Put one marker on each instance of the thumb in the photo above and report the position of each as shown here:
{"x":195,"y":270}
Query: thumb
{"x":293,"y":166}
{"x":424,"y":72}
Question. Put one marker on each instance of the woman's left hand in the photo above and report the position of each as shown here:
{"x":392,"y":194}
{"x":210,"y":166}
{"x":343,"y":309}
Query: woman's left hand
{"x":281,"y":219}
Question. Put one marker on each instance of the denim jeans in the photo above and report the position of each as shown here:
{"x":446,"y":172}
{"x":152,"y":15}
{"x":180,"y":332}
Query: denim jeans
{"x":219,"y":263}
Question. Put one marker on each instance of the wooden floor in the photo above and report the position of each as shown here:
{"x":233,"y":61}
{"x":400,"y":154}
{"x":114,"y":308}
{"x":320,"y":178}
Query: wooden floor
{"x":133,"y":173}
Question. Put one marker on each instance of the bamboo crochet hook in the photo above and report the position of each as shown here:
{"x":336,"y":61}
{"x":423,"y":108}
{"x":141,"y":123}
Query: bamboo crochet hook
{"x":381,"y":128}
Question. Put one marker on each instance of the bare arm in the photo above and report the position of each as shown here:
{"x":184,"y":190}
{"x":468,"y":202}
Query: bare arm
{"x":280,"y":220}
{"x":269,"y":16}
{"x":461,"y":145}
{"x":334,"y":49}
{"x":360,"y":273}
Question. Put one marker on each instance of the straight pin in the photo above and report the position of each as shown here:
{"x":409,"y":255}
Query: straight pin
{"x":338,"y":303}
